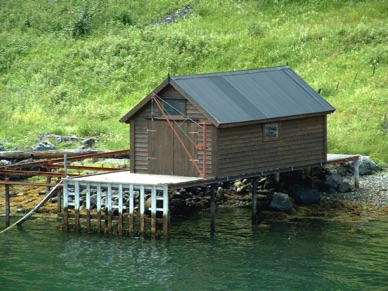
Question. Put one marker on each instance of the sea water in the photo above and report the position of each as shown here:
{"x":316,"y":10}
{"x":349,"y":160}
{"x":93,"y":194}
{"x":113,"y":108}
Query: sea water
{"x":303,"y":255}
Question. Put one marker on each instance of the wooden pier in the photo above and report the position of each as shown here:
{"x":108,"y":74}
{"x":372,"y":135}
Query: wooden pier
{"x":132,"y":203}
{"x":108,"y":202}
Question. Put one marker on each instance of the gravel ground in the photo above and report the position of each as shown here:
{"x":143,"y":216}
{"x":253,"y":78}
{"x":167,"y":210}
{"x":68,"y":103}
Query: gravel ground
{"x":373,"y":192}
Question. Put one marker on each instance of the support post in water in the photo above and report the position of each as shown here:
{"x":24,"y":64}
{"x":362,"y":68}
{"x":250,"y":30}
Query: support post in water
{"x":357,"y":173}
{"x":166,"y":211}
{"x":7,"y":203}
{"x":212,"y":208}
{"x":142,"y":208}
{"x":153,"y":210}
{"x":254,"y":200}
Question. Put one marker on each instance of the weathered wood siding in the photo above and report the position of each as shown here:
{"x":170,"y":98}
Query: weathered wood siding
{"x":242,"y":150}
{"x":139,"y":135}
{"x":139,"y":141}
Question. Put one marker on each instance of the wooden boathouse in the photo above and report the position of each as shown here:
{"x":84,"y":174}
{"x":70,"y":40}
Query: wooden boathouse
{"x":204,"y":129}
{"x":228,"y":125}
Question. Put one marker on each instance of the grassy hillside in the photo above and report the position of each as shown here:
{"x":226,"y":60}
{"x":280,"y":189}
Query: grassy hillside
{"x":76,"y":67}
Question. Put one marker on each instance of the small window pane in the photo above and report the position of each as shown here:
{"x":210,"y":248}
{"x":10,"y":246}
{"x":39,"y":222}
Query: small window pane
{"x":174,"y":107}
{"x":271,"y":131}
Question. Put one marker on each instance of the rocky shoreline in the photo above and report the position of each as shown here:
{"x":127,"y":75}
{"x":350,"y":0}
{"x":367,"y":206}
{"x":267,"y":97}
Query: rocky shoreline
{"x":325,"y":192}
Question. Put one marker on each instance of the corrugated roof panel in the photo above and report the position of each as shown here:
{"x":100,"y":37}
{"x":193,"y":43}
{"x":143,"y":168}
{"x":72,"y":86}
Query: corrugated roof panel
{"x":252,"y":95}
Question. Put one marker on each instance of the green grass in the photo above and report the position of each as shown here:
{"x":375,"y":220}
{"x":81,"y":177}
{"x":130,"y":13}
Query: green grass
{"x":76,"y":67}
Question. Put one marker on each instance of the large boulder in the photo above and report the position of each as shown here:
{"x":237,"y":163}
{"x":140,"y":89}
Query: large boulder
{"x":367,"y":166}
{"x":332,"y":180}
{"x":281,"y":201}
{"x":43,"y":146}
{"x":307,"y":196}
{"x":344,"y":187}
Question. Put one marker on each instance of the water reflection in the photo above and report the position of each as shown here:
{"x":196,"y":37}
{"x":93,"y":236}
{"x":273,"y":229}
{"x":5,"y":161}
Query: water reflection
{"x":305,"y":255}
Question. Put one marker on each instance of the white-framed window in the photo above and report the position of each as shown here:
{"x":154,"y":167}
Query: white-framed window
{"x":271,"y":131}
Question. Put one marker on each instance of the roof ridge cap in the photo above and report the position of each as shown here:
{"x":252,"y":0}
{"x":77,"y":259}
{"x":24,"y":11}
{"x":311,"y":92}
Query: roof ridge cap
{"x":247,"y":71}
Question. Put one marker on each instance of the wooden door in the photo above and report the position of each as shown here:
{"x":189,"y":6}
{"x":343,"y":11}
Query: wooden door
{"x":166,"y":155}
{"x":183,"y":165}
{"x":160,"y":144}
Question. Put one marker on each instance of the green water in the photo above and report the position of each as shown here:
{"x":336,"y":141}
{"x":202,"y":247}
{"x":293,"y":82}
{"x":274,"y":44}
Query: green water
{"x":308,"y":255}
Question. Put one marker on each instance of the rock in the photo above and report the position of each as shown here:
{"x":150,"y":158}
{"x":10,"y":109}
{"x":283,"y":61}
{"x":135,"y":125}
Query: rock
{"x":367,"y":167}
{"x":93,"y":201}
{"x":178,"y":207}
{"x":4,"y":163}
{"x":281,"y":201}
{"x":220,"y":193}
{"x":89,"y":142}
{"x":333,"y":180}
{"x":43,"y":146}
{"x":54,"y":199}
{"x":187,"y":9}
{"x":344,"y":187}
{"x":241,"y":187}
{"x":307,"y":197}
{"x":148,"y":204}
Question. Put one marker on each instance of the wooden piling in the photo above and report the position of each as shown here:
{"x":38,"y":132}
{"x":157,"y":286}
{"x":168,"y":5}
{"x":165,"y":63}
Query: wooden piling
{"x":153,"y":210}
{"x":357,"y":173}
{"x":166,"y":211}
{"x":7,"y":204}
{"x":99,"y":226}
{"x":131,"y":210}
{"x":76,"y":207}
{"x":108,"y":206}
{"x":142,"y":207}
{"x":212,"y":209}
{"x":254,"y":200}
{"x":88,"y":229}
{"x":120,"y":218}
{"x":65,"y":221}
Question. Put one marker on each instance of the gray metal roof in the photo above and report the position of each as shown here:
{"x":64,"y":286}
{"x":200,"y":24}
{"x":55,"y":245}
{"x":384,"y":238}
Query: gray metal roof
{"x":251,"y":95}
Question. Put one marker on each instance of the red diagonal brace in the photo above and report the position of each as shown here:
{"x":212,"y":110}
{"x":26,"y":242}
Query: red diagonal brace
{"x":177,"y":135}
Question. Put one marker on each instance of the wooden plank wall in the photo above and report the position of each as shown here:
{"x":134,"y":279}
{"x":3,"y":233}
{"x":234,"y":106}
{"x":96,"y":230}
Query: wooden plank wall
{"x":139,"y":134}
{"x":139,"y":162}
{"x":195,"y":114}
{"x":242,"y":150}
